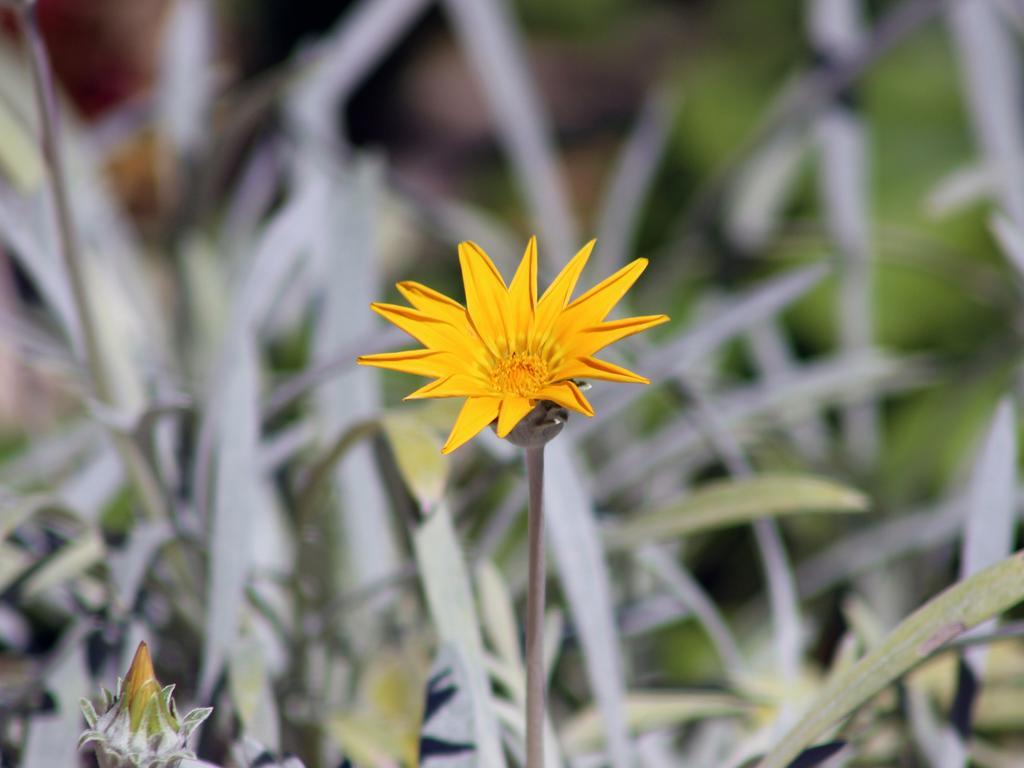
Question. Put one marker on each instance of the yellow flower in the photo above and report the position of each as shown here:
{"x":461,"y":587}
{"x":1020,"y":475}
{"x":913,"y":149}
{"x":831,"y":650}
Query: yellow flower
{"x":506,"y":349}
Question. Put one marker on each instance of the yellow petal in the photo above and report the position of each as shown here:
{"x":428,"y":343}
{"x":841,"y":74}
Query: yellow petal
{"x":431,"y":332}
{"x":556,"y":297}
{"x":592,"y":340}
{"x":434,"y":303}
{"x":476,"y":413}
{"x":599,"y":300}
{"x":455,"y":385}
{"x":486,"y":297}
{"x":421,"y":362}
{"x":568,"y":395}
{"x":592,"y":368}
{"x":523,"y":288}
{"x":512,"y":411}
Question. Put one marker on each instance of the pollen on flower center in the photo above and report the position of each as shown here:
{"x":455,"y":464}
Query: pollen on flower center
{"x":519,"y":373}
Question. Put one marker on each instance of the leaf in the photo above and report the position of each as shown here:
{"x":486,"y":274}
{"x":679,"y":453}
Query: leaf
{"x":129,"y":563}
{"x":498,"y":613}
{"x":490,"y":40}
{"x":991,"y":68}
{"x":586,"y":585}
{"x":989,"y":532}
{"x":735,"y":316}
{"x":251,"y":691}
{"x":19,"y":156}
{"x":363,"y":37}
{"x":52,"y":739}
{"x":720,"y":504}
{"x":66,"y":563}
{"x":417,"y":451}
{"x":447,"y":736}
{"x":446,"y":583}
{"x":499,"y":623}
{"x":237,"y":494}
{"x":13,"y":562}
{"x":626,"y":191}
{"x":944,"y":617}
{"x":762,"y":189}
{"x":1011,"y":240}
{"x":186,"y":74}
{"x":16,"y":512}
{"x":649,"y":711}
{"x":992,"y":495}
{"x":344,"y":258}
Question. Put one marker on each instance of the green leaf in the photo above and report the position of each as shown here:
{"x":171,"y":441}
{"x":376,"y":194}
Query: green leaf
{"x":19,"y":158}
{"x":732,"y":502}
{"x":18,"y":511}
{"x":650,"y":710}
{"x":417,"y":451}
{"x":66,"y":563}
{"x":950,"y":614}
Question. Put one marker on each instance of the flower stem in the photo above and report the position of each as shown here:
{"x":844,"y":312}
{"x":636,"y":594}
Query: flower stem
{"x":535,"y":611}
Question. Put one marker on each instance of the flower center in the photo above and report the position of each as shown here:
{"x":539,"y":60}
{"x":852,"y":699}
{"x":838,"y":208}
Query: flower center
{"x":519,"y":373}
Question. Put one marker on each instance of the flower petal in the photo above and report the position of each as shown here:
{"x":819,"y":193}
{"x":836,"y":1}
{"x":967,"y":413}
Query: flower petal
{"x":434,"y":303}
{"x":476,"y":413}
{"x":455,"y":385}
{"x":592,"y":368}
{"x":556,"y":297}
{"x":431,"y":332}
{"x":512,"y":411}
{"x":594,"y":305}
{"x":421,"y":362}
{"x":486,"y":297}
{"x":568,"y":395}
{"x":523,"y":288}
{"x":591,"y":340}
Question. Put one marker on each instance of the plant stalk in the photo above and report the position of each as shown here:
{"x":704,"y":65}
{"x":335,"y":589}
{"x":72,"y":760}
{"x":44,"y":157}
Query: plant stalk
{"x":46,"y":103}
{"x":535,"y":611}
{"x":53,"y":159}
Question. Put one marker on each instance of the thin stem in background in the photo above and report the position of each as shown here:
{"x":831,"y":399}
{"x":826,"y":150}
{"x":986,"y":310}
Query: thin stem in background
{"x":535,"y":611}
{"x":46,"y":102}
{"x":42,"y":82}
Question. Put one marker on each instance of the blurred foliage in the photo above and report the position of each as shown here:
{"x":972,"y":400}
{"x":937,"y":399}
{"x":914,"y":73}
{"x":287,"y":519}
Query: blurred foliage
{"x":282,"y":529}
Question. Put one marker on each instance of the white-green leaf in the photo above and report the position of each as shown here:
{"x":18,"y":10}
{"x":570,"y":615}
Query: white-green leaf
{"x":66,"y":563}
{"x":236,"y":496}
{"x":20,"y":159}
{"x":649,"y":711}
{"x":446,"y":583}
{"x":950,"y":614}
{"x":586,"y":584}
{"x":731,"y":502}
{"x":417,"y":451}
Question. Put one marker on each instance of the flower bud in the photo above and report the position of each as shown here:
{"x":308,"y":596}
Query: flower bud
{"x":139,"y":727}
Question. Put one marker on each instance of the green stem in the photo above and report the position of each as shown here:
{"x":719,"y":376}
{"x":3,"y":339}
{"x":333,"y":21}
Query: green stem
{"x":535,"y":611}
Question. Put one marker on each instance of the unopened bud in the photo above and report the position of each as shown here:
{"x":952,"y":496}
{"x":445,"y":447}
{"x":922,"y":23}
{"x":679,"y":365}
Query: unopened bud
{"x":139,"y":727}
